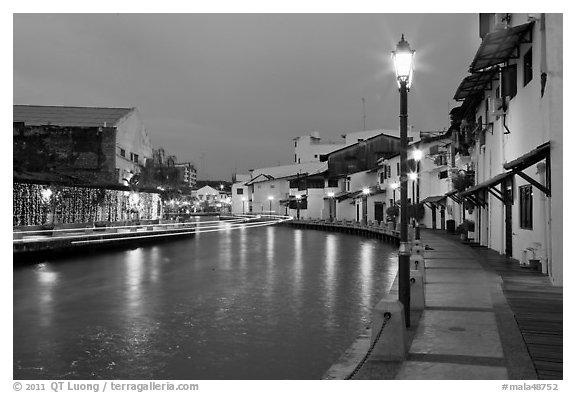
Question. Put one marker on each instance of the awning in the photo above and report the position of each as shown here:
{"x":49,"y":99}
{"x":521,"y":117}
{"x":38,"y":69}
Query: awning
{"x":476,"y":83}
{"x":453,"y":195}
{"x":542,"y":152}
{"x":433,"y":199}
{"x":501,"y":45}
{"x":345,"y":195}
{"x":488,"y":183}
{"x":530,"y":158}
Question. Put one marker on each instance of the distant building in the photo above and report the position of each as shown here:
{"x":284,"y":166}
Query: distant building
{"x":91,"y":144}
{"x":186,"y":174}
{"x":309,"y":148}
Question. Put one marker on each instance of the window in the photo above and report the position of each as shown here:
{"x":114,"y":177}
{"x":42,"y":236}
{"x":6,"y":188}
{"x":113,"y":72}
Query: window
{"x":315,"y":155}
{"x":332,"y":182}
{"x":122,"y":152}
{"x":443,"y":175}
{"x":295,"y":158}
{"x":239,"y":191}
{"x":525,"y":206}
{"x":508,"y":81}
{"x":381,"y":177}
{"x":528,"y":67}
{"x":398,"y":169}
{"x":388,"y":171}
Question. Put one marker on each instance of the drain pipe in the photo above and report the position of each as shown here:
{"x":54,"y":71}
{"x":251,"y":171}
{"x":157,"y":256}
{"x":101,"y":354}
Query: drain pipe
{"x":504,"y":124}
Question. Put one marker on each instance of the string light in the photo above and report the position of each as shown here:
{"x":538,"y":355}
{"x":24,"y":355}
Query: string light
{"x":33,"y":204}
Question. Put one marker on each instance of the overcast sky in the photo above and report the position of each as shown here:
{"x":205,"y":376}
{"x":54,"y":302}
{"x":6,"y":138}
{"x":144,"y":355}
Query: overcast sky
{"x":231,"y":91}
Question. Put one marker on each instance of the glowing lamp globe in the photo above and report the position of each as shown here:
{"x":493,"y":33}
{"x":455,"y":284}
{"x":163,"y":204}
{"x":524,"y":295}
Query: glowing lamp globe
{"x":403,"y":62}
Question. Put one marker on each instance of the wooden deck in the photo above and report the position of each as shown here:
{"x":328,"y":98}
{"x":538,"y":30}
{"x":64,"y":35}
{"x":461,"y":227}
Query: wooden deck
{"x":537,"y":308}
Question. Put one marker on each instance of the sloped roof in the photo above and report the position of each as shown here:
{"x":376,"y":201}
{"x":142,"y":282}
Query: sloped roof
{"x":69,"y":116}
{"x":278,"y":172}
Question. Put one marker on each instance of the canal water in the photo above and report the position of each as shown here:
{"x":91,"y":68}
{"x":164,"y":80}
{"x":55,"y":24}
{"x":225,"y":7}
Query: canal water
{"x":255,"y":303}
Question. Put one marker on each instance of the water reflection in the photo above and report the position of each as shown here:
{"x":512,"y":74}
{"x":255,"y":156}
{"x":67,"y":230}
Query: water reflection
{"x":330,"y":265}
{"x":47,"y":283}
{"x":133,"y":284}
{"x":366,"y":271}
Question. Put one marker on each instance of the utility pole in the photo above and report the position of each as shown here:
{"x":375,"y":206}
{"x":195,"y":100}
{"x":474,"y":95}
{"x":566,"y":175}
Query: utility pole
{"x":363,"y":114}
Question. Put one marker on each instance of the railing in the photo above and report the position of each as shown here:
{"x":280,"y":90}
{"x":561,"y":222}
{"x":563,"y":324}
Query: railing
{"x":89,"y":231}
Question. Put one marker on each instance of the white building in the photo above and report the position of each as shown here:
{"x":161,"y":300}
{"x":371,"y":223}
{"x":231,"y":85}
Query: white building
{"x":268,"y":189}
{"x":309,"y":148}
{"x":512,"y":128}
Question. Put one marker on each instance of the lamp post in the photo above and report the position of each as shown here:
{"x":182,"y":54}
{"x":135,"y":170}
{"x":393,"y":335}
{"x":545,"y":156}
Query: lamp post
{"x":394,"y":187}
{"x":298,"y":197}
{"x":365,"y":193}
{"x":243,"y":200}
{"x":330,"y":201}
{"x":270,"y":198}
{"x":403,"y":57}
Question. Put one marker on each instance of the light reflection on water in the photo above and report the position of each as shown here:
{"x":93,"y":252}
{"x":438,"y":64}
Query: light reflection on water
{"x":261,"y":303}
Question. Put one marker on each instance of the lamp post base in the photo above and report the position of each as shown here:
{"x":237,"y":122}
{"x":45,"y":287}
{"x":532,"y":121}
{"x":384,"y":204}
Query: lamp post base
{"x":404,"y":280}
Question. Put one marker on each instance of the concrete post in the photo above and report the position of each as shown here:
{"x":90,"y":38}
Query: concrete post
{"x":393,"y":342}
{"x":417,"y":300}
{"x":417,"y":263}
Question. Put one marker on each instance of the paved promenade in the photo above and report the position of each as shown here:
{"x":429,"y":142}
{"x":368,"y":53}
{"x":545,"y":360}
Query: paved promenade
{"x":467,"y":329}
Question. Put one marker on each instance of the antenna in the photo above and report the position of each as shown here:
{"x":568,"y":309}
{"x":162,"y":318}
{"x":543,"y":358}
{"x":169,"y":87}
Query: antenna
{"x":363,"y":115}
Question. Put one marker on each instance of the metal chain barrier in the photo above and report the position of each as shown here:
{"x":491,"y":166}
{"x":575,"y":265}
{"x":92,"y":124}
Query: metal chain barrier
{"x":387,"y":317}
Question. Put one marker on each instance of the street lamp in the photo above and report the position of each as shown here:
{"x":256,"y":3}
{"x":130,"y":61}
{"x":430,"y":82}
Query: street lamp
{"x":270,"y":198}
{"x":330,"y":201}
{"x":243,"y":200}
{"x":403,"y":58}
{"x":365,"y":193}
{"x":298,"y":197}
{"x":394,"y":187}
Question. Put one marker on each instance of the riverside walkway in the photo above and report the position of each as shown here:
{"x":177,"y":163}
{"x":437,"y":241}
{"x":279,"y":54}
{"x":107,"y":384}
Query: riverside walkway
{"x":484,"y":318}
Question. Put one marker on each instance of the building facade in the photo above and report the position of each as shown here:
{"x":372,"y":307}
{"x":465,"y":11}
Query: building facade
{"x":511,"y":136}
{"x":309,"y":148}
{"x":97,"y":145}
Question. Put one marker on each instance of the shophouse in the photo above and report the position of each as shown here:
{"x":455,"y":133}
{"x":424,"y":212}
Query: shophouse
{"x":351,"y":191}
{"x":509,"y":141}
{"x":268,"y":189}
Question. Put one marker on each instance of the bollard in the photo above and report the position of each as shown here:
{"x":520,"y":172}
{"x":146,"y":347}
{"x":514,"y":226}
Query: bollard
{"x":417,"y":300}
{"x":417,"y":263}
{"x":393,"y":341}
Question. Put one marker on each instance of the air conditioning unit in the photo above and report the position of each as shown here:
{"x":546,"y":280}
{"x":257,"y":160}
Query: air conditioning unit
{"x":495,"y":106}
{"x":501,"y":21}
